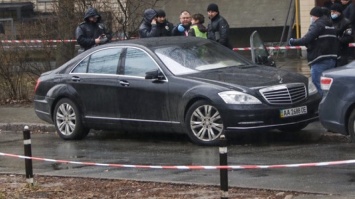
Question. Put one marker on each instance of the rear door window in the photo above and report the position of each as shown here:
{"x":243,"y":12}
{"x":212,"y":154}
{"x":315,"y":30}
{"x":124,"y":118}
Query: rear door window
{"x":102,"y":62}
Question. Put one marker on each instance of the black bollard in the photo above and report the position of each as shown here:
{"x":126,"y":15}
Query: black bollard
{"x":28,"y":153}
{"x":223,"y":162}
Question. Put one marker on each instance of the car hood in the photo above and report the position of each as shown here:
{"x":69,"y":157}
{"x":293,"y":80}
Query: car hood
{"x":248,"y":76}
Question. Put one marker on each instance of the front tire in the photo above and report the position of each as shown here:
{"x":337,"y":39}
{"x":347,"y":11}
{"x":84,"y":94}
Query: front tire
{"x":67,"y":121}
{"x":351,"y":126}
{"x":204,"y":123}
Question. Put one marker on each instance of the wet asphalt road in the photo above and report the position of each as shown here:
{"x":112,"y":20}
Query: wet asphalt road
{"x":310,"y":145}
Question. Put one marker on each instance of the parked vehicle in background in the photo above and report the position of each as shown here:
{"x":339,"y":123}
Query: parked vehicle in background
{"x":191,"y":85}
{"x":337,"y":108}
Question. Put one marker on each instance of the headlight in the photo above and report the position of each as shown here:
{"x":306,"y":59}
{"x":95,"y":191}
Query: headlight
{"x":236,"y":97}
{"x":311,"y":87}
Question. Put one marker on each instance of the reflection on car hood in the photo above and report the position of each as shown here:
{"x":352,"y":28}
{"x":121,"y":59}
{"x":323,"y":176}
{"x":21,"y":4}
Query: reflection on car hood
{"x":249,"y":76}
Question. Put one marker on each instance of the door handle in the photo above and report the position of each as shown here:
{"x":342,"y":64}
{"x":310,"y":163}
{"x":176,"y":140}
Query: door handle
{"x":124,"y":83}
{"x":75,"y":79}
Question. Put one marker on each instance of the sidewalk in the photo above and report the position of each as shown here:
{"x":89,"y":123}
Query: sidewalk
{"x":16,"y":117}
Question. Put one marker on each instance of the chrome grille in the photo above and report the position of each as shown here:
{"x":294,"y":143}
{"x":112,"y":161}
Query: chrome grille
{"x":285,"y":93}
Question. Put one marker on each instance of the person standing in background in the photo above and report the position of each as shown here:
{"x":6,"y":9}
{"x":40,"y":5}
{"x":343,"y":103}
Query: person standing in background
{"x":2,"y":29}
{"x":218,"y":27}
{"x":344,"y":33}
{"x":322,"y":45}
{"x":330,"y":3}
{"x":345,"y":4}
{"x":347,"y":8}
{"x":197,"y":28}
{"x":182,"y":29}
{"x":148,"y":27}
{"x":165,"y":28}
{"x":92,"y":32}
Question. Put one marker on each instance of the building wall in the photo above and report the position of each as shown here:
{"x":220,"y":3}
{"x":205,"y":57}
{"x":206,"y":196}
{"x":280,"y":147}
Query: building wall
{"x":305,"y":18}
{"x":47,"y":5}
{"x":241,"y":14}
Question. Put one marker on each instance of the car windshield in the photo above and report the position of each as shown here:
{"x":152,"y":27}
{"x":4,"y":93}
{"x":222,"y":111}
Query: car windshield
{"x":188,"y":59}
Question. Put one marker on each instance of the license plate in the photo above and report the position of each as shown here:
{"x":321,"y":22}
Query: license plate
{"x":293,"y":111}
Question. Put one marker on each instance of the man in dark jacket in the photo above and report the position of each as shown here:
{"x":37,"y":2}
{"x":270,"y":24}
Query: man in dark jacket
{"x":344,"y":33}
{"x":348,"y":10}
{"x":165,"y":28}
{"x":322,"y":45}
{"x":148,"y":27}
{"x":2,"y":30}
{"x":329,"y":3}
{"x":345,"y":3}
{"x":218,"y":27}
{"x":154,"y":24}
{"x":92,"y":32}
{"x":182,"y":29}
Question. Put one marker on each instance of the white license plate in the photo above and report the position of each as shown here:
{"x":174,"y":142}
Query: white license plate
{"x":293,"y":111}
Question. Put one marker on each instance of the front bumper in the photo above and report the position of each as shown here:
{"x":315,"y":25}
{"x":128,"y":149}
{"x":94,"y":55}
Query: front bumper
{"x":248,"y":118}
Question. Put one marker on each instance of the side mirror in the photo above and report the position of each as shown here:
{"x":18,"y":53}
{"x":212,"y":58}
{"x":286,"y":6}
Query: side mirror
{"x":155,"y":75}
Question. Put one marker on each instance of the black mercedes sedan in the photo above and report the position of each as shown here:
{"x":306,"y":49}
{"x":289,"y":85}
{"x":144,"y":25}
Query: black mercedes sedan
{"x":172,"y":84}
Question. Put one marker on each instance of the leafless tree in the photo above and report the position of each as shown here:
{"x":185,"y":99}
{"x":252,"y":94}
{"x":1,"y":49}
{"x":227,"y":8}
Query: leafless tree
{"x":65,"y":14}
{"x":23,"y":63}
{"x":129,"y":15}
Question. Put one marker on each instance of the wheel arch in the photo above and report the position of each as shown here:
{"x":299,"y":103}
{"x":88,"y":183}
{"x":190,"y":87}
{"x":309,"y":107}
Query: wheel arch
{"x":192,"y":101}
{"x":347,"y":115}
{"x":197,"y":93}
{"x":69,"y":93}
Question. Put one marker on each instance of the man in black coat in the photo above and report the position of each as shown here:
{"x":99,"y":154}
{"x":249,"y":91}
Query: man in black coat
{"x":154,"y":24}
{"x":165,"y":28}
{"x":329,"y":3}
{"x":322,"y":45}
{"x":218,"y":27}
{"x":345,"y":4}
{"x":344,"y":33}
{"x":2,"y":30}
{"x":148,"y":27}
{"x":92,"y":32}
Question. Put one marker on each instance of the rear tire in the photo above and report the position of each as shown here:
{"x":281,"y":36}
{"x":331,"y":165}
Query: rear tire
{"x":351,"y":126}
{"x":67,"y":121}
{"x":204,"y":123}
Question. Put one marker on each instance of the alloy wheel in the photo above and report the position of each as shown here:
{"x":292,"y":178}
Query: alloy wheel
{"x":66,"y":119}
{"x":206,"y":123}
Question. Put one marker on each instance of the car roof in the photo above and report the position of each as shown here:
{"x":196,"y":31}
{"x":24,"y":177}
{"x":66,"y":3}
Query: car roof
{"x":160,"y":41}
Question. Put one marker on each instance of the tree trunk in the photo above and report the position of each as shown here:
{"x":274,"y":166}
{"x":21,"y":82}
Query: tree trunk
{"x":65,"y":50}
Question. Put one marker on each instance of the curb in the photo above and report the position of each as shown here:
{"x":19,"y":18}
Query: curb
{"x":34,"y":127}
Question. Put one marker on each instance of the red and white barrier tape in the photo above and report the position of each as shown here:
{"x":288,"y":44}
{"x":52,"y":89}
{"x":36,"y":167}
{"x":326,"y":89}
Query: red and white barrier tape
{"x":274,"y":48}
{"x":183,"y":167}
{"x":38,"y":41}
